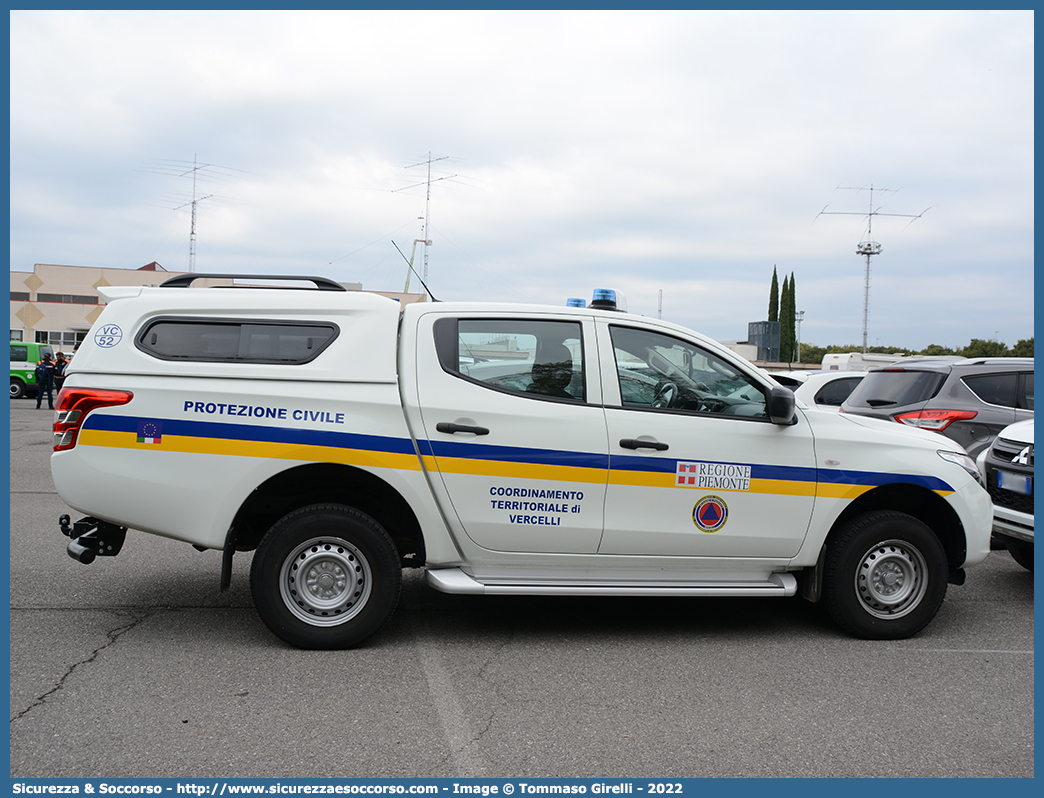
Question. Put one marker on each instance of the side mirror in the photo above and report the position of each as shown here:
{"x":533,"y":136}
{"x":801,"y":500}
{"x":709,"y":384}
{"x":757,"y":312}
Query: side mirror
{"x":781,"y":406}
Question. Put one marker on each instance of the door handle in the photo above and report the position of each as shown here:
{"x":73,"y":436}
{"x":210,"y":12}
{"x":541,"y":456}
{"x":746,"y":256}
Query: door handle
{"x":632,"y":443}
{"x":450,"y":428}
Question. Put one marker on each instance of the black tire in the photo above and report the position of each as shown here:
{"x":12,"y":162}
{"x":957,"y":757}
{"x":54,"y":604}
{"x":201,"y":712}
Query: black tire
{"x":325,"y":577}
{"x":17,"y":388}
{"x":885,"y":576}
{"x":1021,"y":552}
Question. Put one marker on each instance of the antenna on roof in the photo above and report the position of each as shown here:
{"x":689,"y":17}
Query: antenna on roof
{"x":409,"y":262}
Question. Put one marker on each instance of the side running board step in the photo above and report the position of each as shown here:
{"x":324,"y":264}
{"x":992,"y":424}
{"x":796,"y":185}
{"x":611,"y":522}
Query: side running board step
{"x":454,"y":580}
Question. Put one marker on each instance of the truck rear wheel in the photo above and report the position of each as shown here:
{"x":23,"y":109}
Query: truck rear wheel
{"x":325,"y":577}
{"x":885,"y":577}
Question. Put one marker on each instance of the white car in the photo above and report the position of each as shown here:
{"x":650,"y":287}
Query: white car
{"x":505,"y":449}
{"x":1007,"y":467}
{"x":823,"y":390}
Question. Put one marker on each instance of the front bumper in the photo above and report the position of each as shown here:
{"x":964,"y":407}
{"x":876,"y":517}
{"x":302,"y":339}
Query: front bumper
{"x":1012,"y":524}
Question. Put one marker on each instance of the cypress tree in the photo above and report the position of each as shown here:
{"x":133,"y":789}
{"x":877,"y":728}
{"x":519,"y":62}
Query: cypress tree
{"x":792,"y":320}
{"x":786,"y":334}
{"x":774,"y":297}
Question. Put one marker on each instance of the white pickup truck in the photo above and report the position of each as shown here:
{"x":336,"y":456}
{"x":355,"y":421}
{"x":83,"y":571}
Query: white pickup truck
{"x":506,"y":449}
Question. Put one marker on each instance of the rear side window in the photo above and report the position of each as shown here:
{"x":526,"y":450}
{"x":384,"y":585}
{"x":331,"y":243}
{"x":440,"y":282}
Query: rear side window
{"x":1025,"y":399}
{"x":19,"y":354}
{"x":994,"y":389}
{"x":834,"y":393}
{"x":235,"y":341}
{"x":538,"y":358}
{"x":895,"y":387}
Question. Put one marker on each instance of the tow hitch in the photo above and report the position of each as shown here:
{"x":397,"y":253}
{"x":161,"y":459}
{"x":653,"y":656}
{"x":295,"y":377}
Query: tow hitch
{"x":92,"y":538}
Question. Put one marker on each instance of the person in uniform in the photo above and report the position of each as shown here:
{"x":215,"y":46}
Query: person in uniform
{"x":45,"y":381}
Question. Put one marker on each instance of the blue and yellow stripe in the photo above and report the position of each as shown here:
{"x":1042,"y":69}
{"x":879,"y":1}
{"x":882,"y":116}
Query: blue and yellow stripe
{"x":248,"y":440}
{"x":482,"y":459}
{"x":477,"y":459}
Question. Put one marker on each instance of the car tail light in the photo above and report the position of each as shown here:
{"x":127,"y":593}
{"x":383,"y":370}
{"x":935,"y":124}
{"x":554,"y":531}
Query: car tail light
{"x":934,"y":420}
{"x":73,"y":406}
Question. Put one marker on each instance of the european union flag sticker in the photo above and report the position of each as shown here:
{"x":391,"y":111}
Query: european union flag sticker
{"x":150,"y":432}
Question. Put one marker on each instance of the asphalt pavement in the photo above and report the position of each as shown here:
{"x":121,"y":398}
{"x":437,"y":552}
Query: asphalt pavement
{"x":137,"y":666}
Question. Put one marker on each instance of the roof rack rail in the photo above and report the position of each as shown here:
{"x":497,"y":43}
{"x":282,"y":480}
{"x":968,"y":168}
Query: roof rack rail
{"x":321,"y":283}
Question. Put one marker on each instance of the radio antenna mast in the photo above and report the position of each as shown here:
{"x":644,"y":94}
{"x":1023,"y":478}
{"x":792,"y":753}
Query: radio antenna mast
{"x":200,"y":172}
{"x":867,"y":246}
{"x":426,"y":240}
{"x":195,"y":201}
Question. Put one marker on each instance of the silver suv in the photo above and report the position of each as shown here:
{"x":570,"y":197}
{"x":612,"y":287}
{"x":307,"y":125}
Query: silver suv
{"x":969,"y":401}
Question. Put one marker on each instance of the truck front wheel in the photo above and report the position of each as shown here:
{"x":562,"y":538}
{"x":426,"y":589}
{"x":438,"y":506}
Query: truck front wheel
{"x":1021,"y":552}
{"x":885,"y":577}
{"x":325,"y":577}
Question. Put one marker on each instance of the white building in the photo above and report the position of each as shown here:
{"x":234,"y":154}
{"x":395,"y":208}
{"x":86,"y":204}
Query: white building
{"x":58,"y":304}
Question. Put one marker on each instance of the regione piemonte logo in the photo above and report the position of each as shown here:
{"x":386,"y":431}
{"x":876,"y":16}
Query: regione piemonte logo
{"x":713,"y":476}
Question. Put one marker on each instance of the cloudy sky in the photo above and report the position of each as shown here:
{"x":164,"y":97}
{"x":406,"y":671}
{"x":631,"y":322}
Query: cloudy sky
{"x":682,"y":152}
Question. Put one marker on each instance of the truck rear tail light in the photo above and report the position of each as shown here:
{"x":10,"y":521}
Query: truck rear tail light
{"x":73,"y":406}
{"x":934,"y":420}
